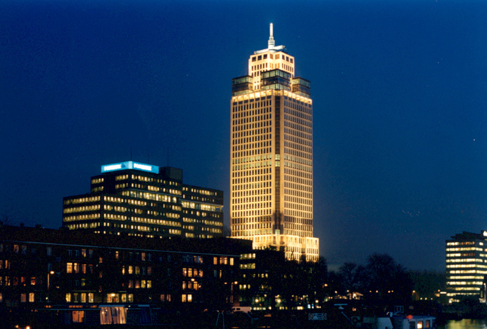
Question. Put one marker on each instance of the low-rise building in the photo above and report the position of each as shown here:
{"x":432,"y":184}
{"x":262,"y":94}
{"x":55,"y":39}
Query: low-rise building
{"x":77,"y":276}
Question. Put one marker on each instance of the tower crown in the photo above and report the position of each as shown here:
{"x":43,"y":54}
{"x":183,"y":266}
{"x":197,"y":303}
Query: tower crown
{"x":271,"y":44}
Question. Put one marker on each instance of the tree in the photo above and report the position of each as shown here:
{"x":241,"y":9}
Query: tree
{"x":351,"y":277}
{"x":387,"y":279}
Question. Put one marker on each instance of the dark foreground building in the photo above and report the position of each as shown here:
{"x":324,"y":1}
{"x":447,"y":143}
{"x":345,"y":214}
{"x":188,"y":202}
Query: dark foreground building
{"x":145,"y":200}
{"x":61,"y":277}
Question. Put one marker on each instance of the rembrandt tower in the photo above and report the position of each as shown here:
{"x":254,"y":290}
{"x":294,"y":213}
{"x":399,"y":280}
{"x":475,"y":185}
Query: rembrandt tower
{"x":272,"y":155}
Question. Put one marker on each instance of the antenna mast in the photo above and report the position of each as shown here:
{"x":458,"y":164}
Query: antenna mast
{"x":271,"y":42}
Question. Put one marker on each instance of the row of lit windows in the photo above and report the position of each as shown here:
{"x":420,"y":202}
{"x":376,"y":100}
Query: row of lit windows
{"x":137,"y":270}
{"x":467,"y":272}
{"x":81,"y":209}
{"x":82,"y":200}
{"x":463,"y":283}
{"x":466,"y":266}
{"x":83,"y":226}
{"x":158,"y":221}
{"x":298,"y":166}
{"x":251,"y":199}
{"x":466,"y":277}
{"x":81,"y":217}
{"x":464,"y":249}
{"x":269,"y":93}
{"x":463,"y":243}
{"x":295,"y":173}
{"x":22,"y":281}
{"x":249,"y":179}
{"x":464,"y":288}
{"x":252,"y":187}
{"x":97,"y":180}
{"x":288,"y":211}
{"x":247,"y":213}
{"x":297,"y":233}
{"x":464,"y":260}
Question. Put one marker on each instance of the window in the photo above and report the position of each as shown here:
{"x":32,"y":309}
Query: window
{"x":68,"y":298}
{"x":23,"y":298}
{"x":83,"y":253}
{"x":49,"y":251}
{"x":83,"y":295}
{"x":186,"y":298}
{"x":91,"y":297}
{"x":78,"y":316}
{"x":31,"y":297}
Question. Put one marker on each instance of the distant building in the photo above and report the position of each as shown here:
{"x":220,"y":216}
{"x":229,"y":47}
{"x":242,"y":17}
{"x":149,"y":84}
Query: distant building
{"x":138,"y":199}
{"x":271,"y":165}
{"x":59,"y":277}
{"x":466,"y":266}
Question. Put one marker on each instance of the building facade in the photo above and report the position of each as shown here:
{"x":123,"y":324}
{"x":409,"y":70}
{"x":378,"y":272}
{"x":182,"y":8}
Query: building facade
{"x":55,"y":277}
{"x":466,"y":266}
{"x":138,"y":199}
{"x":271,"y":200}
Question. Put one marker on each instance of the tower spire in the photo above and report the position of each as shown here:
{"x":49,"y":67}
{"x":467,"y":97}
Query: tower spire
{"x":271,"y":42}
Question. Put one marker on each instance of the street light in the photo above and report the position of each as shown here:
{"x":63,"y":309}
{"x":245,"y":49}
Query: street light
{"x":49,"y":283}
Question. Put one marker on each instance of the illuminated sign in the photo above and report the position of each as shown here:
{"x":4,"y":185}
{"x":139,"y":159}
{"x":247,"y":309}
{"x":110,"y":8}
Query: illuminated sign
{"x":129,"y":165}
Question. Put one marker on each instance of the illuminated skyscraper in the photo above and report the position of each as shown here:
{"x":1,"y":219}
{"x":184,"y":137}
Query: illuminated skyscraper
{"x":466,"y":267}
{"x":271,"y":199}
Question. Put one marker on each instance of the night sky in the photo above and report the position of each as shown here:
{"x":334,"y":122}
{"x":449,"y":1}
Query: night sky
{"x":399,"y":91}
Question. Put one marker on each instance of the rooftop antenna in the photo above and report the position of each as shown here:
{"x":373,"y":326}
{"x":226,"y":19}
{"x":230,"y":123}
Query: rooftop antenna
{"x":271,"y":42}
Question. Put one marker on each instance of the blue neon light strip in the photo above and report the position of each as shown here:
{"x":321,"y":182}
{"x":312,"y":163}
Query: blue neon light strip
{"x":129,"y":165}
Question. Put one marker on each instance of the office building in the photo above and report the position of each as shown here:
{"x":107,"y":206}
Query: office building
{"x":271,"y":201}
{"x":466,"y":266}
{"x":138,"y":199}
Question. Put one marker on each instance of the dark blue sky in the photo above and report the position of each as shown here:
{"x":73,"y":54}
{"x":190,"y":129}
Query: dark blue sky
{"x":399,"y":90}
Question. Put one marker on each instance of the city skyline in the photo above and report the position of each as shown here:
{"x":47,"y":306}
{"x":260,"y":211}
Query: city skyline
{"x":398,"y":96}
